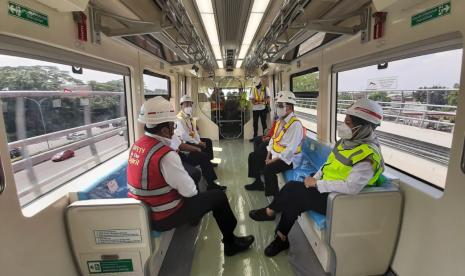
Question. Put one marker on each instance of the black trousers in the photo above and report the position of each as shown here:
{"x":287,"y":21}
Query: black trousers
{"x":270,"y":172}
{"x":208,"y":149}
{"x":257,"y":161}
{"x":293,"y":199}
{"x":196,"y":207}
{"x":193,"y":172}
{"x":200,"y":158}
{"x":262,"y":115}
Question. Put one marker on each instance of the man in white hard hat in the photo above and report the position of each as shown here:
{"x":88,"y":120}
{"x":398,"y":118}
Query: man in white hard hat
{"x":284,"y":147}
{"x":156,"y":176}
{"x":200,"y":151}
{"x":259,"y":96}
{"x":354,"y":163}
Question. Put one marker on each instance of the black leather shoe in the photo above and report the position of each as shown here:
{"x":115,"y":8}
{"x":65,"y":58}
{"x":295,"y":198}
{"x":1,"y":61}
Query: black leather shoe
{"x":276,"y":246}
{"x":238,"y":245}
{"x":256,"y":186}
{"x":251,"y":140}
{"x":214,"y":186}
{"x":214,"y":164}
{"x":260,"y":215}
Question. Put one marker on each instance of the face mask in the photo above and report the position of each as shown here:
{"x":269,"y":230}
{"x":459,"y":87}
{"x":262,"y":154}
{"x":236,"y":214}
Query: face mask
{"x":345,"y":132}
{"x":188,"y":110}
{"x":281,"y":111}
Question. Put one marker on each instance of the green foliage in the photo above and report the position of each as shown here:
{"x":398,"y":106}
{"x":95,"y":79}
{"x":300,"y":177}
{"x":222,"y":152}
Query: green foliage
{"x":380,"y":96}
{"x":69,"y":114}
{"x":306,"y":83}
{"x":453,"y":95}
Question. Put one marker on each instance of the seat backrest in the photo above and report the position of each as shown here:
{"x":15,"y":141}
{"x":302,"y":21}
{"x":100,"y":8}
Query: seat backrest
{"x":111,"y":185}
{"x":314,"y":153}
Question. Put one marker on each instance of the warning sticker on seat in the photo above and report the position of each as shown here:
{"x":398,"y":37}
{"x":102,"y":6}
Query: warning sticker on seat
{"x":117,"y":236}
{"x":110,"y":266}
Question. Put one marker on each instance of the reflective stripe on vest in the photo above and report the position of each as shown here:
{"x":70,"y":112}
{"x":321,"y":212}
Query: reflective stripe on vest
{"x":277,"y":147}
{"x":156,"y":192}
{"x":152,"y":151}
{"x":165,"y":207}
{"x":341,"y":161}
{"x":259,"y":98}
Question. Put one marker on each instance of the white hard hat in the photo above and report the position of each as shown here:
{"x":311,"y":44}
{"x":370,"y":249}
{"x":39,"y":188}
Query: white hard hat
{"x":156,"y":111}
{"x":286,"y":97}
{"x":367,"y":110}
{"x":186,"y":98}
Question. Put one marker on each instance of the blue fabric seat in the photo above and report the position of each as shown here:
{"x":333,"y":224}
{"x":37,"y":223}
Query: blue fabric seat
{"x":111,"y":185}
{"x":314,"y":155}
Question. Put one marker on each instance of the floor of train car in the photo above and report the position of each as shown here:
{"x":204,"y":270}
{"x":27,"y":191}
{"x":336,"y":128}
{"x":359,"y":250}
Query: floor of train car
{"x":199,"y":251}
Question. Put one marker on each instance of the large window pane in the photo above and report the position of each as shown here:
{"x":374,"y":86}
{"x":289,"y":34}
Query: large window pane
{"x":305,"y":85}
{"x":59,"y":124}
{"x":156,"y":85}
{"x":419,"y":99}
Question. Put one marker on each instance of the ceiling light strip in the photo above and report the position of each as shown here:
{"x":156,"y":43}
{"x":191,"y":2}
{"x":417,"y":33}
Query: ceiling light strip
{"x":208,"y":18}
{"x":256,"y":15}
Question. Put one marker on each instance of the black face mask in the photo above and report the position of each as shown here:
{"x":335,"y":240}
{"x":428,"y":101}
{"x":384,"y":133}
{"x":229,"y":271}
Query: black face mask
{"x":259,"y":85}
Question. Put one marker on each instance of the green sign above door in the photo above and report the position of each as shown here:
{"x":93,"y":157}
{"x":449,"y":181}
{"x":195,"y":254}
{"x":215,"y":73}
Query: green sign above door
{"x":438,"y":11}
{"x":110,"y":266}
{"x":27,"y":14}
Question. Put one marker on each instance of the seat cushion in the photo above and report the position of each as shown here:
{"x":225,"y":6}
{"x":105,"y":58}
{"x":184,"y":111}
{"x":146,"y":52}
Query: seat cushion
{"x":319,"y":219}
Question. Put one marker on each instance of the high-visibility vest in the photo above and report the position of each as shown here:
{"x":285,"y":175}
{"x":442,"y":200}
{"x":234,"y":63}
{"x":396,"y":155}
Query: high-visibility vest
{"x":341,"y":161}
{"x":146,"y":182}
{"x":187,"y":120}
{"x":260,"y":97}
{"x":277,"y":147}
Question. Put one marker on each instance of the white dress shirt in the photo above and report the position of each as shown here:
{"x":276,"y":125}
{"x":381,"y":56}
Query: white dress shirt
{"x":359,"y":177}
{"x":252,"y":97}
{"x":183,"y":127}
{"x":291,"y":140}
{"x":173,"y":171}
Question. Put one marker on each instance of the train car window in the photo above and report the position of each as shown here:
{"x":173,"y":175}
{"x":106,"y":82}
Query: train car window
{"x":156,"y":85}
{"x":59,"y":124}
{"x":419,"y":99}
{"x":305,"y":85}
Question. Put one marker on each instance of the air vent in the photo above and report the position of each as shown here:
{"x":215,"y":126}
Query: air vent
{"x":230,"y":59}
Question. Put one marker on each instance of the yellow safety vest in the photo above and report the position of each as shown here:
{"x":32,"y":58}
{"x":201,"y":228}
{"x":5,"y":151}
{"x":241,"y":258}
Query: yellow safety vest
{"x":189,"y":123}
{"x":259,"y":97}
{"x":341,"y":161}
{"x":277,"y":147}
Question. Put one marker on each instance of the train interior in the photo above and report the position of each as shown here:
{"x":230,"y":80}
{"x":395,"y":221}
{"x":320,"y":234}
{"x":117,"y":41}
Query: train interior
{"x":75,"y":73}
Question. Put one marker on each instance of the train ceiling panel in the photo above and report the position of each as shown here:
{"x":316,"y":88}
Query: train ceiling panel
{"x":160,"y":27}
{"x":299,"y":21}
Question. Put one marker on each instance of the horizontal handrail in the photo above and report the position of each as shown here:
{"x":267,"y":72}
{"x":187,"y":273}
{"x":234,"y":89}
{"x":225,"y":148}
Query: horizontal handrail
{"x":28,"y":93}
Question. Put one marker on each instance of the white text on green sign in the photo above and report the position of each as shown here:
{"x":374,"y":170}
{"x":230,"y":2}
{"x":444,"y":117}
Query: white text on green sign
{"x":28,"y":14}
{"x":438,"y":11}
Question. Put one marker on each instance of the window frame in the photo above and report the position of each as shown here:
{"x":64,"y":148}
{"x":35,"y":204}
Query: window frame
{"x":442,"y":43}
{"x":153,"y":74}
{"x":305,"y":94}
{"x":17,"y":47}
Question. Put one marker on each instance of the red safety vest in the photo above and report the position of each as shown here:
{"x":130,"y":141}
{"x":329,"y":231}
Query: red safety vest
{"x":145,"y":180}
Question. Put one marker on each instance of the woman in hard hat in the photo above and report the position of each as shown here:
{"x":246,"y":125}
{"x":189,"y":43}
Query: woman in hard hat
{"x":157,"y":177}
{"x":355,"y":162}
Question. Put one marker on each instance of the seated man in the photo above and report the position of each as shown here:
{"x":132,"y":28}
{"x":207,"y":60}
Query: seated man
{"x":284,"y":148}
{"x":194,"y":173}
{"x":156,"y":176}
{"x":199,"y":151}
{"x":355,"y":162}
{"x":257,"y":158}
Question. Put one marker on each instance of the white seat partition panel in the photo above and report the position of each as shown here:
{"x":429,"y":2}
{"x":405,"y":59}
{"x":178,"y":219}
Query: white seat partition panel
{"x":110,"y":236}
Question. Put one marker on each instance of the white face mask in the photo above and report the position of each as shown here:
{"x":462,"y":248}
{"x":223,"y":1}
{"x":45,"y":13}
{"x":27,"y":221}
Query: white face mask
{"x":281,"y":111}
{"x":188,"y":110}
{"x":345,"y":132}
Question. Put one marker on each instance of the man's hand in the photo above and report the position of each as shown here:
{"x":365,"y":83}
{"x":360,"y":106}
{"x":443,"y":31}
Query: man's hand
{"x":202,"y":144}
{"x":269,"y":161}
{"x":266,"y":139}
{"x":310,"y":182}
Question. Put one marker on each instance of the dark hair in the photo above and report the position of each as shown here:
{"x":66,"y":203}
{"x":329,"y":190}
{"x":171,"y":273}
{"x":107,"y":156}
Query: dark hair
{"x":357,"y":121}
{"x":157,"y":128}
